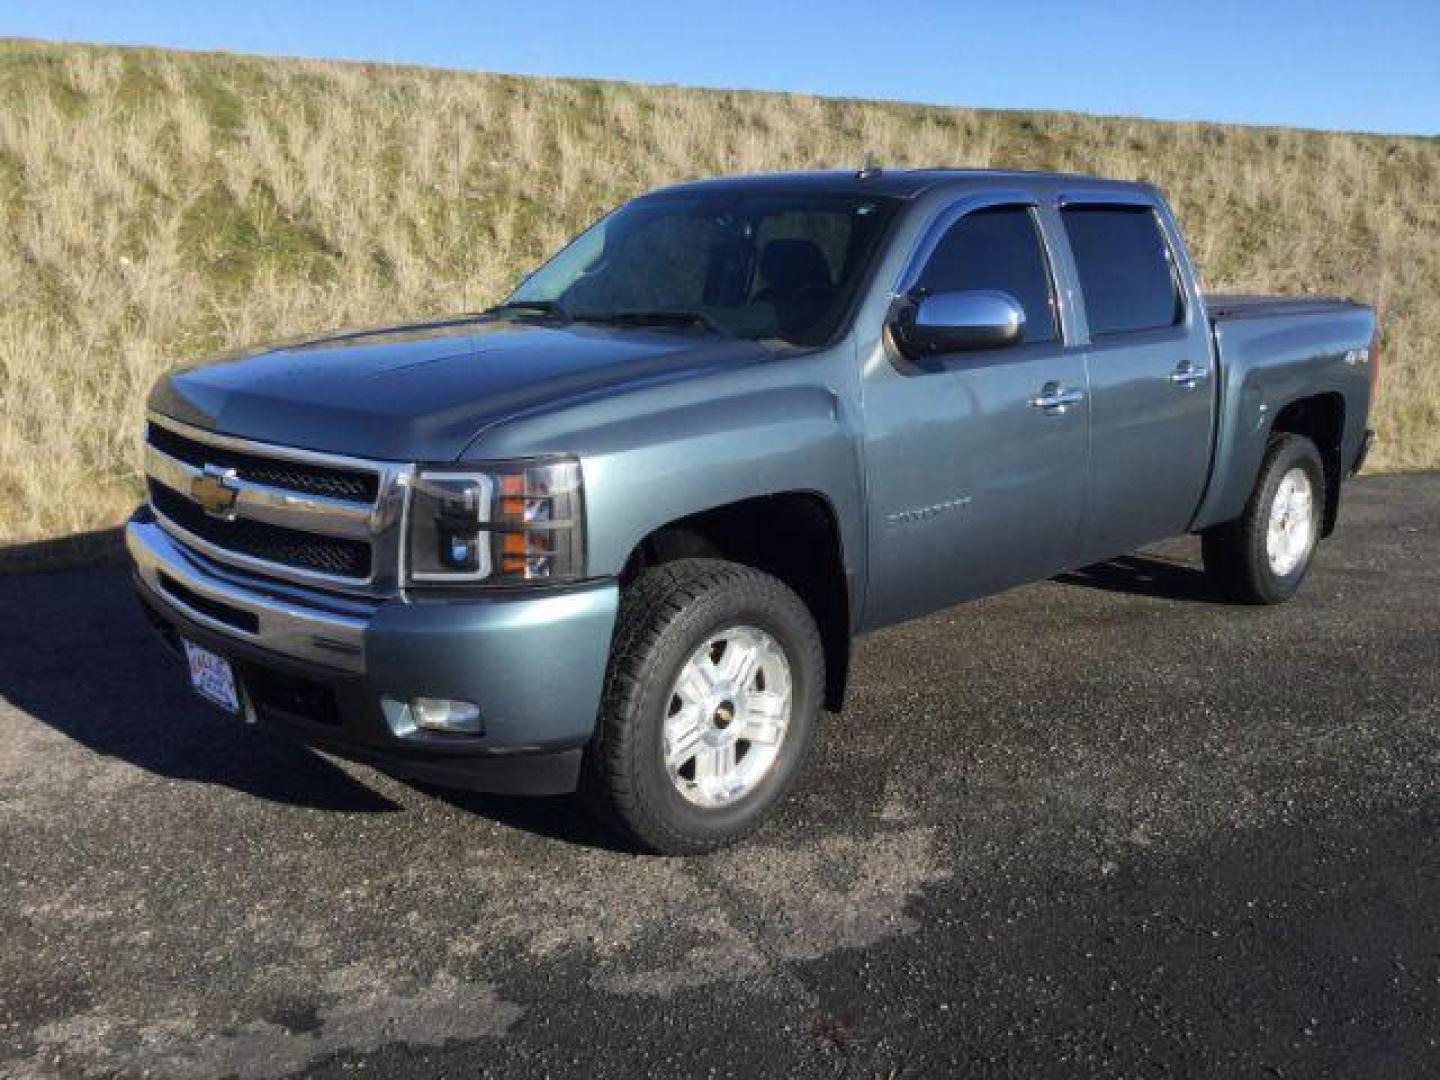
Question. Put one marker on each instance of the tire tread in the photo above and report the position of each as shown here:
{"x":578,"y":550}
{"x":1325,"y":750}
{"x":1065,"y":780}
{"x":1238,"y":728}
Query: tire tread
{"x":1232,"y":551}
{"x":648,"y":607}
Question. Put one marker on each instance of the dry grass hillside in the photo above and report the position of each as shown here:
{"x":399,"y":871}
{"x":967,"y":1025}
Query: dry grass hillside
{"x":160,"y":205}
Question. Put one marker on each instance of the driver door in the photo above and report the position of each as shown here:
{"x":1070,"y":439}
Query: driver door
{"x":975,"y":482}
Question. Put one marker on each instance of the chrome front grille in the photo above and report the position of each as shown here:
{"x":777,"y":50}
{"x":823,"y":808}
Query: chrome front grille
{"x":353,"y":485}
{"x":259,"y":540}
{"x":296,"y":515}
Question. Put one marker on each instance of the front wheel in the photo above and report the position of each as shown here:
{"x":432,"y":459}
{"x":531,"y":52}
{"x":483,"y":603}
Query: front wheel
{"x":1264,"y":555}
{"x":710,"y":704}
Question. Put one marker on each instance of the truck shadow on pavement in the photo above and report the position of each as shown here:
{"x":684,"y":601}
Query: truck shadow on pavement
{"x":1145,"y":575}
{"x":77,"y":655}
{"x":558,"y":817}
{"x":99,"y":546}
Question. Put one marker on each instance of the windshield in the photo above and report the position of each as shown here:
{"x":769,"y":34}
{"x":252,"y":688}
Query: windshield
{"x":759,"y":266}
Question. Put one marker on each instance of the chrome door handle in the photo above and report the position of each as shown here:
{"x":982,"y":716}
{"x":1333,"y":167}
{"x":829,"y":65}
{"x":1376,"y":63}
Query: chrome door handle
{"x":1055,"y":399}
{"x":1188,"y":374}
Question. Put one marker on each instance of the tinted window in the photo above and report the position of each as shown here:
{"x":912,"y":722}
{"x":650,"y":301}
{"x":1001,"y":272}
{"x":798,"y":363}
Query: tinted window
{"x":1124,"y":267}
{"x":996,"y":249}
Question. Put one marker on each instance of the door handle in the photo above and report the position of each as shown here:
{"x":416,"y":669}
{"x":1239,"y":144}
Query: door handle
{"x":1188,"y":373}
{"x":1054,"y":399}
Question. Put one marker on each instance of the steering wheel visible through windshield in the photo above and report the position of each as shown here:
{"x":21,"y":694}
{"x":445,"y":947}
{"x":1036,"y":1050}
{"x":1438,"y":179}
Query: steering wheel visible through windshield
{"x":753,"y":265}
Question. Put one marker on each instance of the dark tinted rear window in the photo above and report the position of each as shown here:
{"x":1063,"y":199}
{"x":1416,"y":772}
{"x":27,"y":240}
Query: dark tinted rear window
{"x":1124,"y":267}
{"x":996,"y":249}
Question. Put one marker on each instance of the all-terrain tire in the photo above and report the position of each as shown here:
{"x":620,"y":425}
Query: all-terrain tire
{"x":1239,"y":557}
{"x":666,"y":615}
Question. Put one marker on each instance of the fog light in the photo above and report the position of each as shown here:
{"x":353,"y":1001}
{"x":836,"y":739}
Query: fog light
{"x":432,"y":714}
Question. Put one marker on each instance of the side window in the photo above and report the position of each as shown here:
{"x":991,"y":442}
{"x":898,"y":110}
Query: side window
{"x":1125,"y":269}
{"x":997,"y":248}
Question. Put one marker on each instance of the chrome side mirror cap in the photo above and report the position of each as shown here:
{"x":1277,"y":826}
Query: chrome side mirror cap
{"x":957,"y":322}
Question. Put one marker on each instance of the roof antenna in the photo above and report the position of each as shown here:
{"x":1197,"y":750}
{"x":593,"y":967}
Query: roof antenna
{"x":870,"y":169}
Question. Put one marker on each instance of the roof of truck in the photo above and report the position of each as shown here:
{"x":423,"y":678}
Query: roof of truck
{"x":900,"y":183}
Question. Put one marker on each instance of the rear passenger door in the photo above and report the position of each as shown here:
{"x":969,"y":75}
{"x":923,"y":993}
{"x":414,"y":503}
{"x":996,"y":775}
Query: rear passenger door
{"x":1151,"y":387}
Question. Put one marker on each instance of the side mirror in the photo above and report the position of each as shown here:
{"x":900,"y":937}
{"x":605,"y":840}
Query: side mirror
{"x":957,"y":321}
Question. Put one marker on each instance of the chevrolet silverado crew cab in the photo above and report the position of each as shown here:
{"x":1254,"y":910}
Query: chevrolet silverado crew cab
{"x":616,"y":534}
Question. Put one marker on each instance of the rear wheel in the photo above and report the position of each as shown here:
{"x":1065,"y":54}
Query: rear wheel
{"x":1264,"y":555}
{"x":710,"y":705}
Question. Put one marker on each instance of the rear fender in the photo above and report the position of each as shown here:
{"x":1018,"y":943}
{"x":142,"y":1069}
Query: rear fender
{"x":1267,"y":365}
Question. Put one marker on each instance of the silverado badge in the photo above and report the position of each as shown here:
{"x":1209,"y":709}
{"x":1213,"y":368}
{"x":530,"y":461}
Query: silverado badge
{"x":216,"y":490}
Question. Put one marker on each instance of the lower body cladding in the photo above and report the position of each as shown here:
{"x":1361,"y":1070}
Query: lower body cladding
{"x":322,"y":668}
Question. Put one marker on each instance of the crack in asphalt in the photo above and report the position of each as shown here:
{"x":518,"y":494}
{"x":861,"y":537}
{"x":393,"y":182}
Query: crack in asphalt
{"x":754,"y":931}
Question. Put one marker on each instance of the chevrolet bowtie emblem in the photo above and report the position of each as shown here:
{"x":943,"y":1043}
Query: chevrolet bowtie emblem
{"x":216,"y":490}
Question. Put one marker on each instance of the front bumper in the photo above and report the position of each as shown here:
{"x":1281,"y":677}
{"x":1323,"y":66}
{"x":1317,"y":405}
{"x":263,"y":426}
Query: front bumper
{"x":316,"y":665}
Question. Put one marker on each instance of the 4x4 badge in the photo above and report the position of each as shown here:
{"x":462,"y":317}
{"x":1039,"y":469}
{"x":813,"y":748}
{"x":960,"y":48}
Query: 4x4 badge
{"x":216,"y":489}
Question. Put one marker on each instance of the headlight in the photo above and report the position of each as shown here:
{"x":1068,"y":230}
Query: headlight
{"x":504,"y":524}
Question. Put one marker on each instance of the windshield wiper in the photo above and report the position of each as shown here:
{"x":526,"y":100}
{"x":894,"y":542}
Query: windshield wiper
{"x":656,"y":317}
{"x":544,"y":307}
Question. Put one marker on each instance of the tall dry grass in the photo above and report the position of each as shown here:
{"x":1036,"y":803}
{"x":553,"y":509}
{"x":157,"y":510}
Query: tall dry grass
{"x":161,"y":205}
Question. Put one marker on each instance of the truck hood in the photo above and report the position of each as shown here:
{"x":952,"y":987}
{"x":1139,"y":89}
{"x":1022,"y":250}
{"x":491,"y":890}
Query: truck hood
{"x":424,"y":392}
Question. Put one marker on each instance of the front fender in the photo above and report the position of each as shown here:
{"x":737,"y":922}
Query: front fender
{"x":704,"y":456}
{"x":662,"y":453}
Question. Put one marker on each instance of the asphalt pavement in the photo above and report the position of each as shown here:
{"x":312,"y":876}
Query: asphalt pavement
{"x":1105,"y":825}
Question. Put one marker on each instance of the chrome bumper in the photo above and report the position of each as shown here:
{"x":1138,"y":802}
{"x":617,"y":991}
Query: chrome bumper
{"x":534,"y":664}
{"x":212,"y":598}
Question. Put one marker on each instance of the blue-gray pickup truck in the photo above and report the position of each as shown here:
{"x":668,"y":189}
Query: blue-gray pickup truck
{"x":616,"y":535}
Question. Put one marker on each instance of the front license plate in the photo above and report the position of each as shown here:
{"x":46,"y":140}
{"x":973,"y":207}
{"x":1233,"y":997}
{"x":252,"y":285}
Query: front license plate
{"x":212,"y":677}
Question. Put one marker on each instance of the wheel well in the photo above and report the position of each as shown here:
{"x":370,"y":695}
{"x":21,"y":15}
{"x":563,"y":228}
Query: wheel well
{"x":1321,"y":419}
{"x":793,"y":536}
